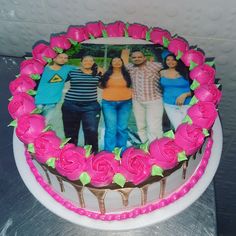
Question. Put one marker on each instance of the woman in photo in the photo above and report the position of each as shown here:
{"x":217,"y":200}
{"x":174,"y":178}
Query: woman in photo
{"x":176,"y":89}
{"x":116,"y":104}
{"x":80,"y":104}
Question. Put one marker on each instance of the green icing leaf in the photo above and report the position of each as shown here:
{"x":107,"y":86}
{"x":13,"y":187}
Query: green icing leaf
{"x":218,"y":85}
{"x":51,"y":162}
{"x":180,"y":54}
{"x":169,"y":134}
{"x":48,"y":60}
{"x":210,"y":63}
{"x":91,"y":36}
{"x":205,"y":132}
{"x":187,"y":119}
{"x":73,"y":42}
{"x":58,"y":50}
{"x":119,"y":179}
{"x":165,"y":42}
{"x":193,"y":101}
{"x":117,"y":152}
{"x":48,"y":127}
{"x":17,"y":75}
{"x":31,"y":148}
{"x":104,"y":34}
{"x":88,"y":149}
{"x":148,"y":35}
{"x":9,"y":99}
{"x":126,"y":30}
{"x":36,"y":111}
{"x":144,"y":146}
{"x":192,"y":65}
{"x":64,"y":142}
{"x":85,"y":178}
{"x":157,"y":171}
{"x":13,"y":123}
{"x":35,"y":77}
{"x":32,"y":92}
{"x":194,"y":85}
{"x":182,"y":156}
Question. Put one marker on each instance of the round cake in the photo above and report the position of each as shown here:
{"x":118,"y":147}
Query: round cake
{"x":114,"y":186}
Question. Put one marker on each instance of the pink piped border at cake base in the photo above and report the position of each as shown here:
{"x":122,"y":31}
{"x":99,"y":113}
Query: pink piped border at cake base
{"x":181,"y":192}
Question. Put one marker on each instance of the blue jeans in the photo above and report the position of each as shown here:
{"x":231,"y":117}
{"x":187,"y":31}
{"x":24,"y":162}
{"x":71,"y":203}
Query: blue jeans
{"x":116,"y":117}
{"x":73,"y":113}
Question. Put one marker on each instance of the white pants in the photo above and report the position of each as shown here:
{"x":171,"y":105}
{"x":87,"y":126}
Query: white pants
{"x":148,"y":116}
{"x":176,"y":113}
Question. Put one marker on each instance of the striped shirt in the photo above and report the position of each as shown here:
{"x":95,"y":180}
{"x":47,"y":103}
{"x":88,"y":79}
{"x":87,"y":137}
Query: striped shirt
{"x":83,"y":87}
{"x":145,"y":81}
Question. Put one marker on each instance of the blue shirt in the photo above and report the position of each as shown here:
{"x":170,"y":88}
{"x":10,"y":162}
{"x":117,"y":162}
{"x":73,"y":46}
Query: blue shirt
{"x":83,"y":87}
{"x":173,"y":88}
{"x":51,"y":85}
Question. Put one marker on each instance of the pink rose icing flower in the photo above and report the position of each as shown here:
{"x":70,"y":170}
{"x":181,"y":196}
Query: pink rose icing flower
{"x":178,"y":46}
{"x":22,"y":103}
{"x":95,"y":29}
{"x":21,"y":84}
{"x":137,"y":31}
{"x":116,"y":29}
{"x":71,"y":162}
{"x":193,"y":58}
{"x":189,"y":137}
{"x":78,"y":34}
{"x":29,"y":127}
{"x":31,"y":67}
{"x":164,"y":153}
{"x":135,"y":165}
{"x":60,"y":42}
{"x":208,"y":93}
{"x":203,"y":114}
{"x":102,"y":168}
{"x":203,"y":74}
{"x":160,"y":36}
{"x":43,"y":53}
{"x":46,"y":146}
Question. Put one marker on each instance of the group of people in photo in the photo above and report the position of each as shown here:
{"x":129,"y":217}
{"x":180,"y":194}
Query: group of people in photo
{"x":130,"y":84}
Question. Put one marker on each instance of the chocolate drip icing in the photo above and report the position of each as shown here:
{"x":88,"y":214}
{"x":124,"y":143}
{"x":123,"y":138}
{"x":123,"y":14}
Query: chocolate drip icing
{"x":125,"y":192}
{"x":100,"y":195}
{"x":185,"y":165}
{"x":61,"y":183}
{"x":46,"y":173}
{"x":79,"y":190}
{"x":162,"y":187}
{"x":144,"y":191}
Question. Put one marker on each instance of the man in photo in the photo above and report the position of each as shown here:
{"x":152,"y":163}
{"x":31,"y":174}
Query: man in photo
{"x":147,"y":97}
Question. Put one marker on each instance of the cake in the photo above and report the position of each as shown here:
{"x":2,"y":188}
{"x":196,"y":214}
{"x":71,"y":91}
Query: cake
{"x":108,"y":186}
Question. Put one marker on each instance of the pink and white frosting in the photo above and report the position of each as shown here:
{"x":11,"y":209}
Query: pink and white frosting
{"x":177,"y":45}
{"x":21,"y":84}
{"x":116,"y":29}
{"x":46,"y":146}
{"x":189,"y":137}
{"x":193,"y":56}
{"x":78,"y":34}
{"x":203,"y":74}
{"x":135,"y":165}
{"x":157,"y":36}
{"x":29,"y":127}
{"x":208,"y":93}
{"x":31,"y":67}
{"x":203,"y":114}
{"x":43,"y":53}
{"x":95,"y":29}
{"x":71,"y":162}
{"x":164,"y":153}
{"x":21,"y":104}
{"x":102,"y":168}
{"x":137,"y":31}
{"x":60,"y":41}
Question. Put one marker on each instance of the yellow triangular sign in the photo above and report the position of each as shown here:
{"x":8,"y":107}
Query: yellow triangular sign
{"x":56,"y":78}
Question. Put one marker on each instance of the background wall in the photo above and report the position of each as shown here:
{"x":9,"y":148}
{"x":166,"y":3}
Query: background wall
{"x":210,"y":24}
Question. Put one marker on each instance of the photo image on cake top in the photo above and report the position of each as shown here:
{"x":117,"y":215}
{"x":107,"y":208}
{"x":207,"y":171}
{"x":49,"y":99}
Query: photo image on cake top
{"x":117,"y":122}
